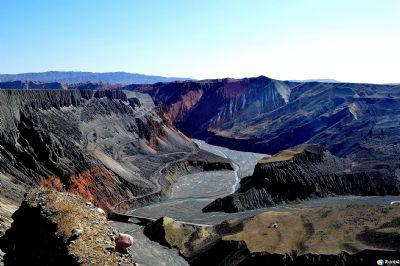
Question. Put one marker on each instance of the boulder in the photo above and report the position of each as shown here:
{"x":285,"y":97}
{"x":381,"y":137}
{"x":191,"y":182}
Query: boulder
{"x":76,"y":232}
{"x":101,"y":211}
{"x":123,"y":241}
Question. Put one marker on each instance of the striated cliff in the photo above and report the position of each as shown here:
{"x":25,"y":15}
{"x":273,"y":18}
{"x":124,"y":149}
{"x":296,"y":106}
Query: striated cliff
{"x":303,"y":172}
{"x":105,"y":145}
{"x":264,"y":115}
{"x":201,"y":108}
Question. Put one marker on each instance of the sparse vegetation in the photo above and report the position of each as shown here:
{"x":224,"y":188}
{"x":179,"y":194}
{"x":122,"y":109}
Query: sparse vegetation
{"x":284,"y":155}
{"x":54,"y":217}
{"x":306,"y":232}
{"x":67,"y":216}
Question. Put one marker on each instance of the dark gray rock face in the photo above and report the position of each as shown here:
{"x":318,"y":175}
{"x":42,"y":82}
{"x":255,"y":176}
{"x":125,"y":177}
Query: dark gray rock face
{"x":267,"y":116}
{"x":365,"y":257}
{"x":103,"y":144}
{"x":304,"y":172}
{"x":201,"y":108}
{"x":223,"y":253}
{"x":155,"y":231}
{"x":236,"y":253}
{"x":358,"y":122}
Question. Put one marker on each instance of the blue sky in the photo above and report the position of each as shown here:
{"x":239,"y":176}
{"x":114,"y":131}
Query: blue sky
{"x":350,"y":40}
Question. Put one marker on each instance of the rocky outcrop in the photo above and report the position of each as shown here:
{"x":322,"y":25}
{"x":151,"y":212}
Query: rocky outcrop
{"x":52,"y":228}
{"x":236,"y":253}
{"x":303,"y":172}
{"x":340,"y":235}
{"x":157,"y":231}
{"x":189,"y":239}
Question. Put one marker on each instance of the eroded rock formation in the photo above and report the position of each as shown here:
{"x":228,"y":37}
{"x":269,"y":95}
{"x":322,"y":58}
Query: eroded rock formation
{"x":266,"y":115}
{"x":303,"y":172}
{"x":102,"y":144}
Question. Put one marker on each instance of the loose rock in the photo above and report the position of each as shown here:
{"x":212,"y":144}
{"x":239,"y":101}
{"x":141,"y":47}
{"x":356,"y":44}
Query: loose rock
{"x":123,"y":241}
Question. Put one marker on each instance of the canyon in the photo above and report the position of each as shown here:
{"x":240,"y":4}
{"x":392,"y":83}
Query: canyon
{"x":187,"y":164}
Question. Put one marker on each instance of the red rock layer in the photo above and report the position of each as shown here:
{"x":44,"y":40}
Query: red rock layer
{"x":96,"y":184}
{"x":179,"y":109}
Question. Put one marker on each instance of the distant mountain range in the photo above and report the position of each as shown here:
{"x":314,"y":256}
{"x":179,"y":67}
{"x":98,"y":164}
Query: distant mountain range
{"x":317,"y":80}
{"x":333,"y":81}
{"x":79,"y":77}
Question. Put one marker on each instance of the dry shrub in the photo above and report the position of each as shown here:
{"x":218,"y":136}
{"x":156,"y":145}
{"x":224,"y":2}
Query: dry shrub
{"x":53,"y":182}
{"x":67,"y":216}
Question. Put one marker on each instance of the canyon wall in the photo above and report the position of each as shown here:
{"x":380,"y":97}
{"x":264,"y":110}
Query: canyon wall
{"x":266,"y":115}
{"x":304,"y":172}
{"x":101,"y":144}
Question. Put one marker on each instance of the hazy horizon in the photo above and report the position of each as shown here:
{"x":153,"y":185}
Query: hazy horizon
{"x":326,"y":79}
{"x":349,"y":41}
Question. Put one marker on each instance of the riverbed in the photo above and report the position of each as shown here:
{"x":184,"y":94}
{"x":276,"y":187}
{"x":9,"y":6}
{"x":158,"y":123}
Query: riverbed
{"x":189,"y":195}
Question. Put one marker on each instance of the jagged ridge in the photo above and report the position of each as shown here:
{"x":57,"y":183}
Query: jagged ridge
{"x":303,"y":172}
{"x":101,"y":144}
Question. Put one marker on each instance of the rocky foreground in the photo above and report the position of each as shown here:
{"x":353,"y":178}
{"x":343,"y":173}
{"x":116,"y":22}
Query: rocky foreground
{"x":52,"y":228}
{"x":303,"y":172}
{"x":341,"y":235}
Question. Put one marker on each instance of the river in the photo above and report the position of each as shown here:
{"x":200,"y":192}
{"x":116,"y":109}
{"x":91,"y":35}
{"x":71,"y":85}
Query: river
{"x":188,"y":196}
